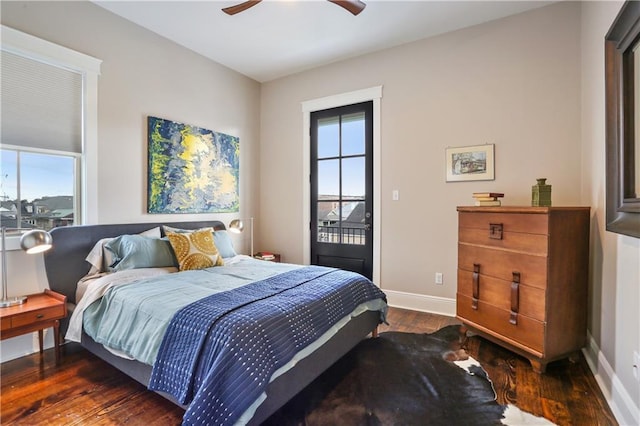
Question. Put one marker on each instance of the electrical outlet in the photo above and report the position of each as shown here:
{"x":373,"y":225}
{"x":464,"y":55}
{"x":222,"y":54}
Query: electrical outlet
{"x":636,"y":365}
{"x":438,"y":277}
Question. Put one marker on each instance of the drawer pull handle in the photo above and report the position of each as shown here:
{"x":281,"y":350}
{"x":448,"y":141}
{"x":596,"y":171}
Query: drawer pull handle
{"x":476,"y":286}
{"x":495,"y":231}
{"x":39,"y":316}
{"x":515,"y":298}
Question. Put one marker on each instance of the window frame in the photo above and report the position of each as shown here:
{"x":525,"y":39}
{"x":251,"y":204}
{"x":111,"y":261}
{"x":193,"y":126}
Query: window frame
{"x":28,"y":46}
{"x":369,"y":94}
{"x":77,"y":182}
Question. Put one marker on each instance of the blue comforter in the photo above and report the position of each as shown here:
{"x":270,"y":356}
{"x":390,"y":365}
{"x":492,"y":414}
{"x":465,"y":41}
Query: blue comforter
{"x":218,"y":354}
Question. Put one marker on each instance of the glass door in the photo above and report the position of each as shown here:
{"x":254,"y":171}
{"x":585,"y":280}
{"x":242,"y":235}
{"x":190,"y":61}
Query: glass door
{"x":342,"y":188}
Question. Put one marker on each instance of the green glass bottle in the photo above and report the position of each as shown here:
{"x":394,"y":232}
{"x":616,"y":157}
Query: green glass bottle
{"x":541,"y":194}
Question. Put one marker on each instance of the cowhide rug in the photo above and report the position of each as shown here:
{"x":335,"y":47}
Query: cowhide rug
{"x":402,"y":379}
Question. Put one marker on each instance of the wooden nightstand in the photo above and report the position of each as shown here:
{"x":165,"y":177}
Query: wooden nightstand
{"x":40,"y":311}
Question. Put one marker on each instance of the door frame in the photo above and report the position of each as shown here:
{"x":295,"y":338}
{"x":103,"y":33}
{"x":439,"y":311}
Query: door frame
{"x":370,"y":94}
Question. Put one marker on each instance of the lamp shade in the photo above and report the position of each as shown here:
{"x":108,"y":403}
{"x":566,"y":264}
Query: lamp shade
{"x":36,"y":241}
{"x":236,"y":226}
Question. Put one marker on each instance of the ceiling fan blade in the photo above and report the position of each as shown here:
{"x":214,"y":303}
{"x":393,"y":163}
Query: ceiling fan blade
{"x":353,"y":6}
{"x":232,"y":10}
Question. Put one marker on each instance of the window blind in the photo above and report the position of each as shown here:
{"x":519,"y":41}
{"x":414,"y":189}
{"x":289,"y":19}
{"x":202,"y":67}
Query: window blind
{"x":41,"y":104}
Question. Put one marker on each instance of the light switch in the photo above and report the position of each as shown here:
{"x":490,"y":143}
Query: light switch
{"x":395,"y":195}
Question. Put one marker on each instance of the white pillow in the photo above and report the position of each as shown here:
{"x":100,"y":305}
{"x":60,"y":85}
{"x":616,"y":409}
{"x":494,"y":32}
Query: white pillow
{"x":100,"y":259}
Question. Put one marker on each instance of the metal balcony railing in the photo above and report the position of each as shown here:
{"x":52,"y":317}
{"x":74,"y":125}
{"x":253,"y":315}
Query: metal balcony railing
{"x":341,"y":234}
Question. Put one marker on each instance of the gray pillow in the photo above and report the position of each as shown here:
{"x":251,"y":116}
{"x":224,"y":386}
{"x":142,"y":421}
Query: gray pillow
{"x":137,"y":251}
{"x":100,"y":258}
{"x":223,"y":242}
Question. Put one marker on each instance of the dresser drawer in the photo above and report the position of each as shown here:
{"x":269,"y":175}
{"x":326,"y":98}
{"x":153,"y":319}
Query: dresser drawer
{"x":29,"y":318}
{"x":528,"y":331}
{"x":527,"y":223}
{"x":5,"y":324}
{"x":507,"y":231}
{"x":528,"y":243}
{"x":496,"y":292}
{"x":502,"y":264}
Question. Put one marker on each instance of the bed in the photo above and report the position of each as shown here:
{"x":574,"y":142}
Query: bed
{"x":288,"y":371}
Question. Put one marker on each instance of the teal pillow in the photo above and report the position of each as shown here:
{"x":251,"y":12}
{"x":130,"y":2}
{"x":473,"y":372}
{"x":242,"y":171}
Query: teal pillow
{"x":223,"y":242}
{"x":136,"y":251}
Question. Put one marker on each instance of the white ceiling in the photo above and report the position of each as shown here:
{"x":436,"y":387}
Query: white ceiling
{"x":280,"y":37}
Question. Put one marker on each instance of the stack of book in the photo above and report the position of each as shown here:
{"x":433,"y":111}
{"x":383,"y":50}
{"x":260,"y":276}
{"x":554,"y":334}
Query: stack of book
{"x":264,"y":255}
{"x":487,"y":198}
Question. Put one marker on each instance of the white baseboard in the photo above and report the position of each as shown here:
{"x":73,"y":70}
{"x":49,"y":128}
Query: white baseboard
{"x":421,"y":302}
{"x":26,"y":344}
{"x":626,"y":411}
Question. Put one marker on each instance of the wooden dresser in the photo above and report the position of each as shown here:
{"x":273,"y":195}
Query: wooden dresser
{"x":522,"y":278}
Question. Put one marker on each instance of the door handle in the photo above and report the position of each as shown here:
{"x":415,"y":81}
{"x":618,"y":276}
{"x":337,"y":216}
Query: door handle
{"x":475,"y":286}
{"x":367,"y":226}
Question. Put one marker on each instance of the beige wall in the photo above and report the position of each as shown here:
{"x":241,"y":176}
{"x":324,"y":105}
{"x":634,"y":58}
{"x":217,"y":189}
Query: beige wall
{"x":142,"y":74}
{"x":614,"y":321}
{"x":513,"y":82}
{"x":533,"y":84}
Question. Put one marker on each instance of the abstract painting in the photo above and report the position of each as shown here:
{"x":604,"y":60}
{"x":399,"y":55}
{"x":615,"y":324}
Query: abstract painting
{"x":191,"y":169}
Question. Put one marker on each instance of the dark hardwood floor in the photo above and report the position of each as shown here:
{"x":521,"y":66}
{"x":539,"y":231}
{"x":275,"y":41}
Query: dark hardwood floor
{"x":84,"y":390}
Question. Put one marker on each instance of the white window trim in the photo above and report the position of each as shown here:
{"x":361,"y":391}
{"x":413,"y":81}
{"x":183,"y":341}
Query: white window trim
{"x":19,"y":43}
{"x":370,"y":94}
{"x":77,"y":168}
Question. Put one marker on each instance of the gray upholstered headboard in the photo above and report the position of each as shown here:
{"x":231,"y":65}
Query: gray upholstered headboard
{"x":65,"y":263}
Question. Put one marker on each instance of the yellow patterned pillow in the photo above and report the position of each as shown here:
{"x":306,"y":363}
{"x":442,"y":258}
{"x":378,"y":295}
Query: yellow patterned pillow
{"x":195,"y":250}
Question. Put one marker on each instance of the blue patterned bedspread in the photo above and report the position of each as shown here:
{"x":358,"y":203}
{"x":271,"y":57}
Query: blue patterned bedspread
{"x":218,"y":353}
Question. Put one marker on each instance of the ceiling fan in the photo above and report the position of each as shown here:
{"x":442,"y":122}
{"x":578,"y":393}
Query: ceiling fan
{"x":353,"y":6}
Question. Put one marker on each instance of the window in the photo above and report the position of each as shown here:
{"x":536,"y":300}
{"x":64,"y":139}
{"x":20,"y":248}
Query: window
{"x":38,"y":188}
{"x":41,"y":114}
{"x":48,"y":146}
{"x":341,"y":175}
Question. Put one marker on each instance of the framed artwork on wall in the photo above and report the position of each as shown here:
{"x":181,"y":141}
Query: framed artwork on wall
{"x":470,"y":163}
{"x":191,"y":169}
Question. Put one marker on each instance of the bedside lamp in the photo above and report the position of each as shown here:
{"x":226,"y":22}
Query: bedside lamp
{"x":237,"y":226}
{"x":34,"y":241}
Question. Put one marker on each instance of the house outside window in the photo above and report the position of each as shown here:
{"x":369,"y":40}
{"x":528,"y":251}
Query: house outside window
{"x":38,"y":189}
